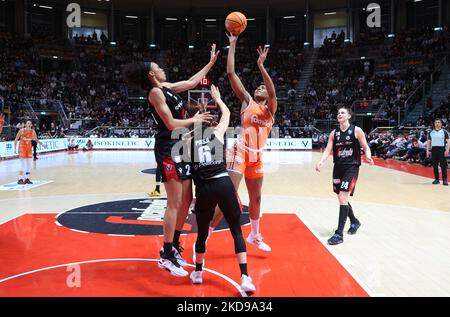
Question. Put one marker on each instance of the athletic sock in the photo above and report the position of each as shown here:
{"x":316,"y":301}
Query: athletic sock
{"x":167,"y":247}
{"x":176,"y":238}
{"x":255,"y":227}
{"x":157,"y":188}
{"x":351,"y":215}
{"x":198,"y":266}
{"x":343,"y":214}
{"x":243,"y":267}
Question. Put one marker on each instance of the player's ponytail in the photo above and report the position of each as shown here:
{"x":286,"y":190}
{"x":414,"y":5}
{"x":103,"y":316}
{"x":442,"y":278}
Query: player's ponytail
{"x":136,"y":75}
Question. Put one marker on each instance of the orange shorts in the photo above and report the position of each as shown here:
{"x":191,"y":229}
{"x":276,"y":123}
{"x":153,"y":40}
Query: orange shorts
{"x":245,"y":162}
{"x":25,"y":152}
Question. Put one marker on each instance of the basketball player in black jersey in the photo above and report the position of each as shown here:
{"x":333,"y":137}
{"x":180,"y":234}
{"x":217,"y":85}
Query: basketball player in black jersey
{"x":169,"y":112}
{"x":213,"y":187}
{"x":345,"y":143}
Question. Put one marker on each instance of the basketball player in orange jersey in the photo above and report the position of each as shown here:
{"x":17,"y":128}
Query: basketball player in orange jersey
{"x":26,"y":135}
{"x":245,"y":159}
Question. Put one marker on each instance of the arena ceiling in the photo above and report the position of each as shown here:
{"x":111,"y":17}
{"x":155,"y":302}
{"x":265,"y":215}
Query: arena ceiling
{"x":184,"y":8}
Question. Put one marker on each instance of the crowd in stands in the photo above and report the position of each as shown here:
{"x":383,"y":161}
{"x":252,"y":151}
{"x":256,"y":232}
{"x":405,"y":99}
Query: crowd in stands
{"x":90,"y":88}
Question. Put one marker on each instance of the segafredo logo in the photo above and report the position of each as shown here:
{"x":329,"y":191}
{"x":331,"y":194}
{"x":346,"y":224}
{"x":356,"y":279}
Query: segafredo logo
{"x":254,"y":119}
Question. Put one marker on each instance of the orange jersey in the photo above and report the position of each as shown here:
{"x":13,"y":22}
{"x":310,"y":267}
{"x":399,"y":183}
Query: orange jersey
{"x":246,"y":156}
{"x":25,"y":143}
{"x":256,"y":122}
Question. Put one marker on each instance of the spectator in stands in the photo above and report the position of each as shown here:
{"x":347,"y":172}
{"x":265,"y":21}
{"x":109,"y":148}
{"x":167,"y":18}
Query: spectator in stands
{"x":53,"y":131}
{"x":72,"y":146}
{"x":415,"y":150}
{"x":89,"y":145}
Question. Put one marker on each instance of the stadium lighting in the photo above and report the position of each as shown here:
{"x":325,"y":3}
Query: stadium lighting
{"x":306,"y":43}
{"x":113,"y":43}
{"x":171,"y":19}
{"x":131,"y":16}
{"x":347,"y":40}
{"x":45,"y":7}
{"x":250,"y":19}
{"x":89,"y":12}
{"x":417,"y":0}
{"x":191,"y":46}
{"x":152,"y":45}
{"x":439,"y":28}
{"x":210,"y":20}
{"x":141,"y":98}
{"x":228,"y":46}
{"x":267,"y":45}
{"x":363,"y":57}
{"x":55,"y":57}
{"x":391,"y":35}
{"x":329,"y":13}
{"x":289,"y":17}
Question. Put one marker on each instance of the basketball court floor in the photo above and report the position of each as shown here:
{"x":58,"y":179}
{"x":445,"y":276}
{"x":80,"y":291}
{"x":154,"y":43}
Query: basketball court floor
{"x":88,"y":228}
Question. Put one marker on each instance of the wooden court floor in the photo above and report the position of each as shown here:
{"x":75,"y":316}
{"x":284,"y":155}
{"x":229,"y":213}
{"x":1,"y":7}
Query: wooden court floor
{"x":84,"y":223}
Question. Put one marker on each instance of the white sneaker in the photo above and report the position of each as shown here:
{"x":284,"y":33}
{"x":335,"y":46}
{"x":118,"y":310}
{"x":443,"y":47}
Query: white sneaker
{"x":258,"y":241}
{"x":171,"y":264}
{"x":247,"y":284}
{"x":196,"y":277}
{"x":179,"y":258}
{"x":194,"y":256}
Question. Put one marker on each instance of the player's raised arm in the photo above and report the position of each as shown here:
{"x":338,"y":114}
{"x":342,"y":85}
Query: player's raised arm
{"x":272,"y":101}
{"x":221,"y":128}
{"x":235,"y":81}
{"x":192,"y":82}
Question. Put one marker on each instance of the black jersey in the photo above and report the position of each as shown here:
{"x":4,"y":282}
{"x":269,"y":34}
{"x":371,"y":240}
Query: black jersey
{"x":346,"y":147}
{"x":163,"y":140}
{"x":208,"y":158}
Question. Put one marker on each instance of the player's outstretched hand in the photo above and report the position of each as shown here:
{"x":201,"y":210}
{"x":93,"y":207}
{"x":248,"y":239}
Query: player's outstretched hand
{"x":215,"y":93}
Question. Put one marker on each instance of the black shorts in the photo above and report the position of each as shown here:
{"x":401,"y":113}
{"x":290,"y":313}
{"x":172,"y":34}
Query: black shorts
{"x":344,"y":178}
{"x":217,"y":191}
{"x":172,"y":170}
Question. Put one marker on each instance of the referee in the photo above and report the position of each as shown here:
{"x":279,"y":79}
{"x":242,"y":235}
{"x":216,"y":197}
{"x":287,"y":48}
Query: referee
{"x":437,"y":139}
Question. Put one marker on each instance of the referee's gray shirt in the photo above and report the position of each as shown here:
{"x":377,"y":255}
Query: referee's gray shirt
{"x":438,"y":138}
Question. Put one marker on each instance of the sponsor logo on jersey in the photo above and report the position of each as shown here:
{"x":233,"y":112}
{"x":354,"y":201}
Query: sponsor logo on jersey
{"x":336,"y":181}
{"x":347,"y":137}
{"x":264,"y":123}
{"x":345,"y":153}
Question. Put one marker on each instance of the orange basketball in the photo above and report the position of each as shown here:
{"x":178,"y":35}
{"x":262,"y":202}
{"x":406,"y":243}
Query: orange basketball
{"x":235,"y":23}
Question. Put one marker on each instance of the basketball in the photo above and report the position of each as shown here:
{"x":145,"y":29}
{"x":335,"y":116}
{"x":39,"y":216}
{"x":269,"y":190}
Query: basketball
{"x":235,"y":23}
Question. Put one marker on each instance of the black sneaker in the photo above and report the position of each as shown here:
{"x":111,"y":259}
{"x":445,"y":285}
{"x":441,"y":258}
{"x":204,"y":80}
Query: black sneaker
{"x":336,"y":239}
{"x":27,"y":181}
{"x":445,"y":183}
{"x":20,"y":182}
{"x":354,"y":227}
{"x":436,"y":182}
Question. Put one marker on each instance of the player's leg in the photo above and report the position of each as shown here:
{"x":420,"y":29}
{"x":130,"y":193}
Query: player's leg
{"x":186,"y":199}
{"x":21,"y":179}
{"x":204,"y":211}
{"x":254,"y":181}
{"x":236,"y":179}
{"x":231,"y":208}
{"x":174,"y":187}
{"x":28,"y":170}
